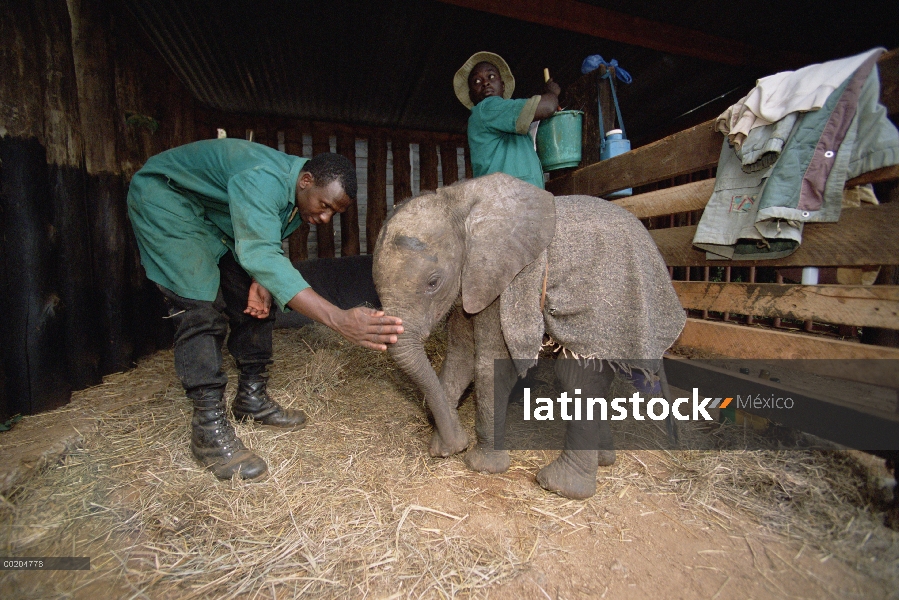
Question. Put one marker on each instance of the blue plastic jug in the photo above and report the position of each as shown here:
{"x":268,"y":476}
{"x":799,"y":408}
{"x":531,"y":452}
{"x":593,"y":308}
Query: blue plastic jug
{"x":616,"y":144}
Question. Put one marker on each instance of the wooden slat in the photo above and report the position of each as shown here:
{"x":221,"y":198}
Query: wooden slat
{"x":449,"y":164}
{"x":298,"y":242}
{"x":377,"y":190}
{"x":402,"y":170}
{"x":349,"y":220}
{"x":325,"y":232}
{"x":427,"y":154}
{"x":864,"y":236}
{"x":684,"y":152}
{"x":742,"y":341}
{"x":863,"y":306}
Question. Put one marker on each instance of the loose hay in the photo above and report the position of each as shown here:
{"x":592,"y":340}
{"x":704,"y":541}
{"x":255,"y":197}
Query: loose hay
{"x":353,"y":505}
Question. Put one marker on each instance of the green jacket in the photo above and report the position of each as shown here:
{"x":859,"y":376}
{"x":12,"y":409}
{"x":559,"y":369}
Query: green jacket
{"x":191,"y":204}
{"x":499,"y":141}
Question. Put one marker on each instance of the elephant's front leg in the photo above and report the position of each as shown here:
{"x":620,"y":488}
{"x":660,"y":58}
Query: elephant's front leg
{"x":588,"y":444}
{"x":456,"y":372}
{"x":491,"y":407}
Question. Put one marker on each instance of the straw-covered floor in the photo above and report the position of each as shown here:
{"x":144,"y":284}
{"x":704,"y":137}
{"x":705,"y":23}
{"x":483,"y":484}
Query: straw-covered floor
{"x":355,"y":507}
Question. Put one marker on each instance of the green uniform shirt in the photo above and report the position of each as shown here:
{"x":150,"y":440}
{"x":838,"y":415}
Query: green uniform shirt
{"x":191,"y":204}
{"x":499,"y":141}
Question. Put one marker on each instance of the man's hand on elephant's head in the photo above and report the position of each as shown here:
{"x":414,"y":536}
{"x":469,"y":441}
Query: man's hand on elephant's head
{"x":369,"y":328}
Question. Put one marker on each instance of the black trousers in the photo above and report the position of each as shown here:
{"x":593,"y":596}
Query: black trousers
{"x":201,"y":327}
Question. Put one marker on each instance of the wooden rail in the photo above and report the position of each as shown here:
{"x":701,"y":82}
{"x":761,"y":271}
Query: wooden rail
{"x":859,"y":305}
{"x":864,"y":236}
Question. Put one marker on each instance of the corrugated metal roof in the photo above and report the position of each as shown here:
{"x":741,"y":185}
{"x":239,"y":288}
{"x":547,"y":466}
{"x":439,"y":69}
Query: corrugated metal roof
{"x":390,"y":64}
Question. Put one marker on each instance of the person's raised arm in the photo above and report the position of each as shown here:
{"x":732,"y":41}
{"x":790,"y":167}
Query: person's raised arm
{"x":549,"y":101}
{"x":367,"y":327}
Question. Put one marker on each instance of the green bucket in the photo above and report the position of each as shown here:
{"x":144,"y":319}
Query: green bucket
{"x":559,"y":140}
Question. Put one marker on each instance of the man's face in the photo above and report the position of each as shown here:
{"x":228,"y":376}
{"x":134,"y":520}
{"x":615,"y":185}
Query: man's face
{"x":317,"y":204}
{"x":485,"y":81}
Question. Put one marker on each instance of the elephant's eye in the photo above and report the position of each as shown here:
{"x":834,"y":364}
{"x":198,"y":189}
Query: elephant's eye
{"x":433,"y":282}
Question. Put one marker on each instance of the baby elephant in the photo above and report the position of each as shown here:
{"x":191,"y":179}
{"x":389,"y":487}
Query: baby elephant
{"x":516,"y":266}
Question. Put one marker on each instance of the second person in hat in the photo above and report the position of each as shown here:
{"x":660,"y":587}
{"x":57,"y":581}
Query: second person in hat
{"x":498,"y":126}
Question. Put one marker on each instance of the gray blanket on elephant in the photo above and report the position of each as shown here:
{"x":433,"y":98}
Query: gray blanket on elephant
{"x":608,"y":292}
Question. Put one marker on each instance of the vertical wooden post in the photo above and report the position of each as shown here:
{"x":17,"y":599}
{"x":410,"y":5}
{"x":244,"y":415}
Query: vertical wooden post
{"x":449,"y":163}
{"x":402,"y":170}
{"x":377,"y":189}
{"x":298,"y":242}
{"x":106,"y":206}
{"x":427,"y":151}
{"x":321,"y":144}
{"x":349,"y":220}
{"x":40,"y":121}
{"x":468,"y":173}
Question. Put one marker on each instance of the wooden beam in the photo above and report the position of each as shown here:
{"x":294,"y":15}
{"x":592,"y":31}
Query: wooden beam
{"x":377,"y":190}
{"x":413,"y":135}
{"x":599,"y":22}
{"x":826,"y":407}
{"x":349,"y":220}
{"x":868,"y":235}
{"x":748,"y":342}
{"x":682,"y":198}
{"x":695,"y":195}
{"x":864,"y":306}
{"x":684,"y":152}
{"x":876,"y":176}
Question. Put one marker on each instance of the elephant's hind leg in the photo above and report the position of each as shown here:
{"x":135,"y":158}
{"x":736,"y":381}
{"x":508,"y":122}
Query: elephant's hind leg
{"x":587,"y":443}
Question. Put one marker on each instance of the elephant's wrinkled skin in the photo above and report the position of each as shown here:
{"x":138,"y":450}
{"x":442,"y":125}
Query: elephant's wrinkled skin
{"x":512,"y":264}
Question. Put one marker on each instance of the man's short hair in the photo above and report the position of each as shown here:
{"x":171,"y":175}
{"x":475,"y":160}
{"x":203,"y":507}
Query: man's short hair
{"x":328,"y":167}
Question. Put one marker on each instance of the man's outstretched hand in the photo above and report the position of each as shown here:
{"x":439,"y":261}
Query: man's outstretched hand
{"x":365,"y":326}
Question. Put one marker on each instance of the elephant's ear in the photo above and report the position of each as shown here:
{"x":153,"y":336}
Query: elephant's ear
{"x":510,"y":223}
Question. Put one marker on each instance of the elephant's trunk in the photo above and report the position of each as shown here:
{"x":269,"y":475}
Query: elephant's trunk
{"x":410,"y":356}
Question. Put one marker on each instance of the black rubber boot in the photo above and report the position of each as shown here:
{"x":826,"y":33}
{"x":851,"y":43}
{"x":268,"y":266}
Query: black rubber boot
{"x":252,"y":403}
{"x":214,"y":442}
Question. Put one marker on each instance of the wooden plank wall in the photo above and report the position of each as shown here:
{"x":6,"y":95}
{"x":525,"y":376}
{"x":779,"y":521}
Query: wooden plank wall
{"x":84,"y":102}
{"x":745,"y":313}
{"x":383,"y":183}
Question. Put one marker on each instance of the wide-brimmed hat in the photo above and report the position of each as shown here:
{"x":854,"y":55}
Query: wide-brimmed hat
{"x":460,"y":80}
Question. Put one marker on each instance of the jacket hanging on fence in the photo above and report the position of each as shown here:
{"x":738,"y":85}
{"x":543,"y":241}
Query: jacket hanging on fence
{"x":793,"y":171}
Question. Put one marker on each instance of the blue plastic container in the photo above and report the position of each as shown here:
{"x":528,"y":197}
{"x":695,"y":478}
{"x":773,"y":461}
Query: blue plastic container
{"x":559,"y":140}
{"x":616,"y":144}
